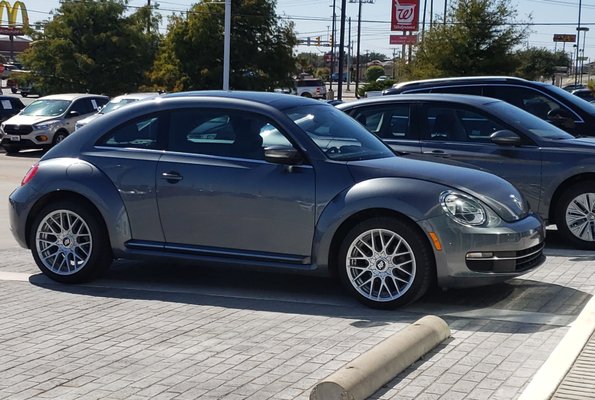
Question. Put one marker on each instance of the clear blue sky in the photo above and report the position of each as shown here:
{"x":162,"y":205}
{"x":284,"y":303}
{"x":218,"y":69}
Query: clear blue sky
{"x":314,"y":18}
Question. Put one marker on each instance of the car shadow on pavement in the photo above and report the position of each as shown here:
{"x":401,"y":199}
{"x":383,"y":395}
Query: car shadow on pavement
{"x":27,"y":154}
{"x":535,"y":305}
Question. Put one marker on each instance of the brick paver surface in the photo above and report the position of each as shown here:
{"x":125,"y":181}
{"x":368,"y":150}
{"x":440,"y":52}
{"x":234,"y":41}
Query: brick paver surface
{"x":174,"y":332}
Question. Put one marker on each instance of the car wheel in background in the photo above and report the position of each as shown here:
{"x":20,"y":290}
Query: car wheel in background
{"x":10,"y":149}
{"x":385,"y":263}
{"x":69,"y":242}
{"x":575,"y":215}
{"x":58,"y":137}
{"x":306,"y":94}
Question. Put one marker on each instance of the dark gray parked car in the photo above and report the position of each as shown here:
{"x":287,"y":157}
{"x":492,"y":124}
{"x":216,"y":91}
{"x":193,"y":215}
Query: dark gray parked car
{"x":548,"y":102}
{"x":553,"y":170}
{"x":270,"y":180}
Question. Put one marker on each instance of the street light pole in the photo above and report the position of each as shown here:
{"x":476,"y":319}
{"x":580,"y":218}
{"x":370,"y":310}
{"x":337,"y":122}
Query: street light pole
{"x":226,"y":44}
{"x":578,"y":39}
{"x":331,"y":42}
{"x":341,"y":50}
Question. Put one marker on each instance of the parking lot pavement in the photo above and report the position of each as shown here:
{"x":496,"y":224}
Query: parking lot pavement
{"x":181,"y":332}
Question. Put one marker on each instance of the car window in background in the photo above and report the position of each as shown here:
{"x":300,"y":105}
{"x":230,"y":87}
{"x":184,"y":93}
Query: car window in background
{"x":83,"y":106}
{"x":519,"y":119}
{"x":388,"y":122}
{"x":140,"y":133}
{"x":46,"y":108}
{"x":336,"y":134}
{"x":528,"y":99}
{"x":115,"y":104}
{"x":472,"y":90}
{"x":454,"y":123}
{"x":582,"y":103}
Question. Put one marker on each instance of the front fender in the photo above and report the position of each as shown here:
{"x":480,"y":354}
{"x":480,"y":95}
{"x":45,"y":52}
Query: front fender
{"x":60,"y":175}
{"x":414,"y":199}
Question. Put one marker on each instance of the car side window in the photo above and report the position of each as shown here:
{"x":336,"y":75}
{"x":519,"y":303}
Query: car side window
{"x":450,"y":123}
{"x":387,"y":122}
{"x":223,"y":133}
{"x":530,"y":100}
{"x":82,"y":106}
{"x":141,"y":133}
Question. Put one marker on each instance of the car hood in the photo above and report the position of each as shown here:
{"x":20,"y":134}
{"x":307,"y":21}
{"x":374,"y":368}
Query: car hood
{"x":584,"y":143}
{"x":88,"y":119}
{"x":29,"y":119}
{"x":497,"y":193}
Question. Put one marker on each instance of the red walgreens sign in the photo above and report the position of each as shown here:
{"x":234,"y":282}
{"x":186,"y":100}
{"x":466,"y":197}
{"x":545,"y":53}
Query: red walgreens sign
{"x":405,"y":15}
{"x":403,"y":39}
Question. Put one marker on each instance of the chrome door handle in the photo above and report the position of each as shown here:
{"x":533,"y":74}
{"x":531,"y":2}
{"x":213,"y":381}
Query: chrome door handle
{"x":172,"y":176}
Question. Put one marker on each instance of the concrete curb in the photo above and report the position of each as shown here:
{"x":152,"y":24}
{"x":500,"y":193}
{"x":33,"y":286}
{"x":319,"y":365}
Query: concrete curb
{"x":552,"y":372}
{"x":366,"y":374}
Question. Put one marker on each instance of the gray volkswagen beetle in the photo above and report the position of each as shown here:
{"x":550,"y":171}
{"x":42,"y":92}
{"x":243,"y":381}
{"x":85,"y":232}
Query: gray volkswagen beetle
{"x":268,"y":180}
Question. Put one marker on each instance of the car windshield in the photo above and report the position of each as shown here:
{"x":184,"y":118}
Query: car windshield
{"x":524,"y":121}
{"x":577,"y":101}
{"x":115,"y":104}
{"x":338,"y":135}
{"x":46,"y":108}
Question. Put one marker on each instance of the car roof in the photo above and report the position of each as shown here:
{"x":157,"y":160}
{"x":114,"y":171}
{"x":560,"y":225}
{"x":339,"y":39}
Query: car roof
{"x":136,"y":96}
{"x":467,"y":99}
{"x":462,"y":79}
{"x":277,"y":100}
{"x":69,"y":96}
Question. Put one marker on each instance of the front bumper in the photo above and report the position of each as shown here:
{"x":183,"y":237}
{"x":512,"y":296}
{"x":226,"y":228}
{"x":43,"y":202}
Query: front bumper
{"x":33,"y":139}
{"x":477,"y":256}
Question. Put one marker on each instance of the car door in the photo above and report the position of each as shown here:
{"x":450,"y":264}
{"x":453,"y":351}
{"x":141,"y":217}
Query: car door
{"x":216,"y":193}
{"x":393,"y":124}
{"x":459,"y":133}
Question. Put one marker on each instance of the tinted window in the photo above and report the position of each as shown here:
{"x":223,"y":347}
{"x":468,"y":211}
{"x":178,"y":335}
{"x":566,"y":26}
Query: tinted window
{"x":140,"y":133}
{"x":303,"y":83}
{"x":530,"y":100}
{"x":222,"y":133}
{"x":453,"y":123}
{"x":387,"y":121}
{"x":83,"y":106}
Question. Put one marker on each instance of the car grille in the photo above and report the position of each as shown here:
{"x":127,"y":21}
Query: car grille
{"x":508,"y":261}
{"x":18,"y":129}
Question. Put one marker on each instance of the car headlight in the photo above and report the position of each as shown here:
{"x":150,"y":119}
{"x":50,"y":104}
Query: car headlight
{"x":463,"y":209}
{"x":45,"y":125}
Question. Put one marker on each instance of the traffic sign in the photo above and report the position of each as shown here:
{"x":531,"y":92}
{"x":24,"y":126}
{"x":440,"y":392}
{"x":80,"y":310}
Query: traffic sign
{"x":558,"y":37}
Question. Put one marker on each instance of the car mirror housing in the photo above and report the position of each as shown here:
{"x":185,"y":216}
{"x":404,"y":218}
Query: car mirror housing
{"x":72,"y":114}
{"x":283,"y":155}
{"x":505,"y":138}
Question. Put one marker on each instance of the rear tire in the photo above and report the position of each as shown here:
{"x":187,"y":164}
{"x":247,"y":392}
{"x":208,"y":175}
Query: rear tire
{"x":575,"y":215}
{"x":69,"y":242}
{"x":386,"y":263}
{"x":306,"y":94}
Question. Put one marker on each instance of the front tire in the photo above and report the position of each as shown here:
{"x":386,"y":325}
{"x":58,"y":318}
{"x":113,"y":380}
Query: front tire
{"x":58,"y":137}
{"x":386,"y":263}
{"x":575,"y":215}
{"x":69,"y":242}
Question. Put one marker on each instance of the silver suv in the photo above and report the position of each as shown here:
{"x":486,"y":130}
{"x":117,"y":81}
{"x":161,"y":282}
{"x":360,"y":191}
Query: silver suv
{"x":314,"y":88}
{"x":47,"y":121}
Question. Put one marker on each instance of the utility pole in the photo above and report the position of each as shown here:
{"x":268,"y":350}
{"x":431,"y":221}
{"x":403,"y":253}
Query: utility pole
{"x":341,"y":50}
{"x":578,"y":39}
{"x":359,"y":35}
{"x":149,"y":16}
{"x":349,"y":61}
{"x":331,"y":40}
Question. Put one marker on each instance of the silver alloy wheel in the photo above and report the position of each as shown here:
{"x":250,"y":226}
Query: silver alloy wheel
{"x":64,"y":242}
{"x":580,"y":216}
{"x":380,"y":265}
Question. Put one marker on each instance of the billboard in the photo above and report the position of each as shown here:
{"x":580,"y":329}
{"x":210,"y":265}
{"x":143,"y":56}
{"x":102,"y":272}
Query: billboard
{"x":558,"y":37}
{"x":405,"y":15}
{"x":13,"y":28}
{"x":403,"y":39}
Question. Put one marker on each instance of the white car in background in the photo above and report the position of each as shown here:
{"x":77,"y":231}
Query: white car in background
{"x":115,"y":103}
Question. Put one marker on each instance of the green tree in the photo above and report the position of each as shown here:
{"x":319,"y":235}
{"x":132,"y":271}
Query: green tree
{"x":479,"y":39}
{"x":92,"y":46}
{"x":535,"y":63}
{"x":373,"y":73}
{"x":191,"y":55}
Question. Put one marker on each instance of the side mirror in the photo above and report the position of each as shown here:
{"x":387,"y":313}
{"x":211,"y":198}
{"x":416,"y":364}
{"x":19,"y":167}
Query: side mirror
{"x":72,"y":114}
{"x":561,"y":118}
{"x":283,"y":155}
{"x":505,"y":138}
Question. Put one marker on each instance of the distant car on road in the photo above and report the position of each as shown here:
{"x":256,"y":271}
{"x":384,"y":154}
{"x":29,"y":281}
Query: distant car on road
{"x":116,"y":103}
{"x":335,"y":77}
{"x":47,"y":121}
{"x":553,"y":170}
{"x":313,"y":88}
{"x":382,"y":78}
{"x":273,"y":181}
{"x":548,"y":102}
